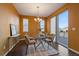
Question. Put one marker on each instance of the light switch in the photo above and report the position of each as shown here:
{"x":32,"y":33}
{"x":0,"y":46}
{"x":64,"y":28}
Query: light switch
{"x":73,"y":29}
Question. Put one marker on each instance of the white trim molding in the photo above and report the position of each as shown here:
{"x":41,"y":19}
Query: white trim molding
{"x":74,"y":50}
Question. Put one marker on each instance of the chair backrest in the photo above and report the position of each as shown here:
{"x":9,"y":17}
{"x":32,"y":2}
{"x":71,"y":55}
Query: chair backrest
{"x":43,"y":34}
{"x":51,"y":36}
{"x":27,"y":37}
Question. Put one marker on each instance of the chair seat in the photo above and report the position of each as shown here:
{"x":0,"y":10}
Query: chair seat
{"x":48,"y":40}
{"x":32,"y":41}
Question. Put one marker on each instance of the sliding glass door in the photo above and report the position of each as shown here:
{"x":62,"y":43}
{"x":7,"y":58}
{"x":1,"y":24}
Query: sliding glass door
{"x":62,"y":28}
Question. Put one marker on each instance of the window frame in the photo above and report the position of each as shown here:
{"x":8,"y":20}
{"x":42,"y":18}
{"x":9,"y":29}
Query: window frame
{"x":25,"y":26}
{"x":42,"y":29}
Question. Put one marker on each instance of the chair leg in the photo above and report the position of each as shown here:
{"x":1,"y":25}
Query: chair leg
{"x":53,"y":44}
{"x":28,"y":49}
{"x":48,"y":45}
{"x":35,"y":46}
{"x":42,"y":45}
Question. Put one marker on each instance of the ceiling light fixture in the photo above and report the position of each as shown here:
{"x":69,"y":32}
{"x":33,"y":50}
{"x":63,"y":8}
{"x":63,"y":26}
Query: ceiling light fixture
{"x":38,"y":17}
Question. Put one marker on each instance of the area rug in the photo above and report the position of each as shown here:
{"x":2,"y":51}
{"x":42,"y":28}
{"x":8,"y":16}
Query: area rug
{"x":41,"y":51}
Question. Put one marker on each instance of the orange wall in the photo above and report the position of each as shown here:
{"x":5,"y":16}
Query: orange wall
{"x":48,"y":25}
{"x":74,"y":23}
{"x":32,"y":25}
{"x":73,"y":38}
{"x":8,"y":15}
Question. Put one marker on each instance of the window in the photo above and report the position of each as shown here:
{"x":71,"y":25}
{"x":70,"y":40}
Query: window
{"x":63,"y":19}
{"x":25,"y":25}
{"x":42,"y":25}
{"x":53,"y":25}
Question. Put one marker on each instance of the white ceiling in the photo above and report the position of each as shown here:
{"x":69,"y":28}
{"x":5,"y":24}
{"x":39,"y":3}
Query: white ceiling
{"x":30,"y":9}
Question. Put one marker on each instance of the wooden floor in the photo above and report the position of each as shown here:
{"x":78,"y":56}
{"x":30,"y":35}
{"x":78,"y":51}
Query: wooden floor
{"x":63,"y":51}
{"x":21,"y":50}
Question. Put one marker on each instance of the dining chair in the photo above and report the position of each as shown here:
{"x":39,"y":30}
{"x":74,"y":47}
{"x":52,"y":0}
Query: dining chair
{"x":30,"y":40}
{"x":49,"y":39}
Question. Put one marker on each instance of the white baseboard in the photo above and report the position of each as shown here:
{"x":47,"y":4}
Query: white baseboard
{"x":73,"y":50}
